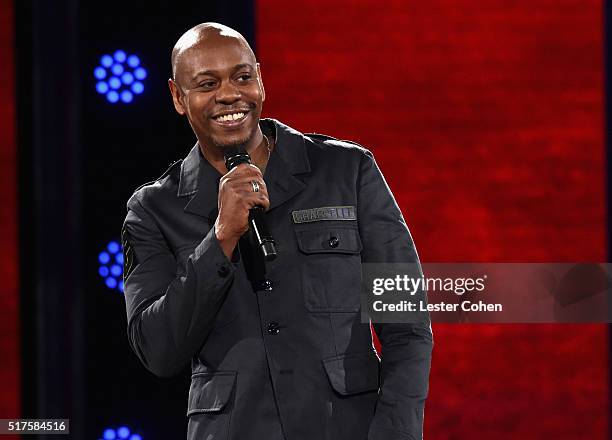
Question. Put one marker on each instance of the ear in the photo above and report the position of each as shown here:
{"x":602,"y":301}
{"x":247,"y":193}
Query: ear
{"x":263,"y":90}
{"x":177,"y":97}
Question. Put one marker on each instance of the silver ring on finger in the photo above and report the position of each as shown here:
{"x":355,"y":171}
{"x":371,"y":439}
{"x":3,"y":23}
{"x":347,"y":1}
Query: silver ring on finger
{"x":255,"y":184}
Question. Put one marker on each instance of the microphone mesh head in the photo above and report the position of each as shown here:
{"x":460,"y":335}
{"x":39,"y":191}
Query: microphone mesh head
{"x":235,"y":155}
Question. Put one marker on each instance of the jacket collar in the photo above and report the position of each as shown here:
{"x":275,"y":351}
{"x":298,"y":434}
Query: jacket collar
{"x":200,"y":180}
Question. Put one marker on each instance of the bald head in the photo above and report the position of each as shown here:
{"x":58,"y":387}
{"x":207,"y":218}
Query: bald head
{"x":206,"y":35}
{"x":214,"y":74}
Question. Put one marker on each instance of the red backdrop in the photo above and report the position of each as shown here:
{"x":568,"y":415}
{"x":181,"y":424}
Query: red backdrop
{"x":487,"y":120}
{"x":9,"y":312}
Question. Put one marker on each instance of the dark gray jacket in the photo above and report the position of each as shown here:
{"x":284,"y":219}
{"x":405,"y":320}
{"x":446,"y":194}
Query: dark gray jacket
{"x":277,"y":352}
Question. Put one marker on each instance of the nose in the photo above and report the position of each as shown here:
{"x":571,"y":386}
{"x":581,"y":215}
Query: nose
{"x":227,"y":93}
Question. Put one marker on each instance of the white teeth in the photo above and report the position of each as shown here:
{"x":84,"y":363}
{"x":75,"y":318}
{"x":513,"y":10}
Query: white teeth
{"x":231,"y":117}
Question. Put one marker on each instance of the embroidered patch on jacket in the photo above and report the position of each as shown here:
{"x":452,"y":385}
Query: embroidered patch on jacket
{"x":129,"y":258}
{"x":324,"y":213}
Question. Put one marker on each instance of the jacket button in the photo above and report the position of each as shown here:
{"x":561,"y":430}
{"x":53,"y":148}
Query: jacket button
{"x":266,"y":285}
{"x":274,"y":328}
{"x":334,"y":242}
{"x":223,"y":271}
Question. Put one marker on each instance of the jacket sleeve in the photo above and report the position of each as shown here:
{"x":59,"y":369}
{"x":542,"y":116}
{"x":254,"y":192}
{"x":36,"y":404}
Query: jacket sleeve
{"x":406,"y":348}
{"x":170,"y":314}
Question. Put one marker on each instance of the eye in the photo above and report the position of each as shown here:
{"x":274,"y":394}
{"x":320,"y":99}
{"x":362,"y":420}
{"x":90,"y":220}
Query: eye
{"x":207,"y":84}
{"x":244,"y":77}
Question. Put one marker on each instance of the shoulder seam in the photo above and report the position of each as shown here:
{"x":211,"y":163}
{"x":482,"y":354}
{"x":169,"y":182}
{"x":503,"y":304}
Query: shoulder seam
{"x":165,"y":173}
{"x":325,"y":137}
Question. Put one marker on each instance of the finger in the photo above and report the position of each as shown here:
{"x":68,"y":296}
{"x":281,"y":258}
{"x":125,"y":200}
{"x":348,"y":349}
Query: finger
{"x":248,"y":185}
{"x":250,"y":188}
{"x":255,"y":185}
{"x":256,"y":199}
{"x":248,"y":195}
{"x":241,"y":171}
{"x":245,"y":169}
{"x":244,"y":183}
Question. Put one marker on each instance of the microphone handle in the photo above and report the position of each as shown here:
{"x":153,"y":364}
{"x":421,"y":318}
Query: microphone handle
{"x":264,"y":240}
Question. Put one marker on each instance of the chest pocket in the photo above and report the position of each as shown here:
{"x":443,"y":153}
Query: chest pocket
{"x":331,"y":273}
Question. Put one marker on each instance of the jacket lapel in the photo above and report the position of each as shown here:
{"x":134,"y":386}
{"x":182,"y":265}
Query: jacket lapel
{"x":287,"y":160}
{"x":199,"y":181}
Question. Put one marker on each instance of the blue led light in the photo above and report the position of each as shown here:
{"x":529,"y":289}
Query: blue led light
{"x":120,"y":56}
{"x":100,"y":72}
{"x":123,"y":432}
{"x":106,"y":60}
{"x":113,"y":247}
{"x":123,"y":74}
{"x":127,"y":78}
{"x":140,"y":73}
{"x":133,"y":61}
{"x":117,"y":69}
{"x":126,"y":96}
{"x":114,"y":82}
{"x":111,"y":259}
{"x":112,"y":96}
{"x":116,"y":270}
{"x":102,"y":87}
{"x":120,"y":433}
{"x":137,"y":88}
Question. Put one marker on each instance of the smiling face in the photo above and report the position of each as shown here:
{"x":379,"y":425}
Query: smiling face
{"x":217,"y":85}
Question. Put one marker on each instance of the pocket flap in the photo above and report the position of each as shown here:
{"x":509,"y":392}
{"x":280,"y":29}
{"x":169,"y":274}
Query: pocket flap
{"x":353,"y":373}
{"x":209,"y":392}
{"x":341,"y":240}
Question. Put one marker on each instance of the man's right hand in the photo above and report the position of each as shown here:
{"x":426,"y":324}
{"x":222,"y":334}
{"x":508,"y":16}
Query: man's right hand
{"x":236,"y":198}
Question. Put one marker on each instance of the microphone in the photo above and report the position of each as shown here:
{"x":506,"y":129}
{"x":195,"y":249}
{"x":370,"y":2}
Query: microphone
{"x":234,"y":156}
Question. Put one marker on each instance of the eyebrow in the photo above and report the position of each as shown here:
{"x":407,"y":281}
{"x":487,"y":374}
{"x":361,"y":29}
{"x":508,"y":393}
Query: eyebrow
{"x":214,"y":72}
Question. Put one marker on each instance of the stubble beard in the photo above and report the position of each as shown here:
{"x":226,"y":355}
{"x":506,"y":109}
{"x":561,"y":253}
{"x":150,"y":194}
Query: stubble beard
{"x":223,"y":144}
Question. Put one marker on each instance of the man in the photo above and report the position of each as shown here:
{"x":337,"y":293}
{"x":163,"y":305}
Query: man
{"x":277,"y":349}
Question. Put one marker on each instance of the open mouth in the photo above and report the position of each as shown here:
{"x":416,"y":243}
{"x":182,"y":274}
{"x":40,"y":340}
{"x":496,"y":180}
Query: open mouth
{"x":231,"y":118}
